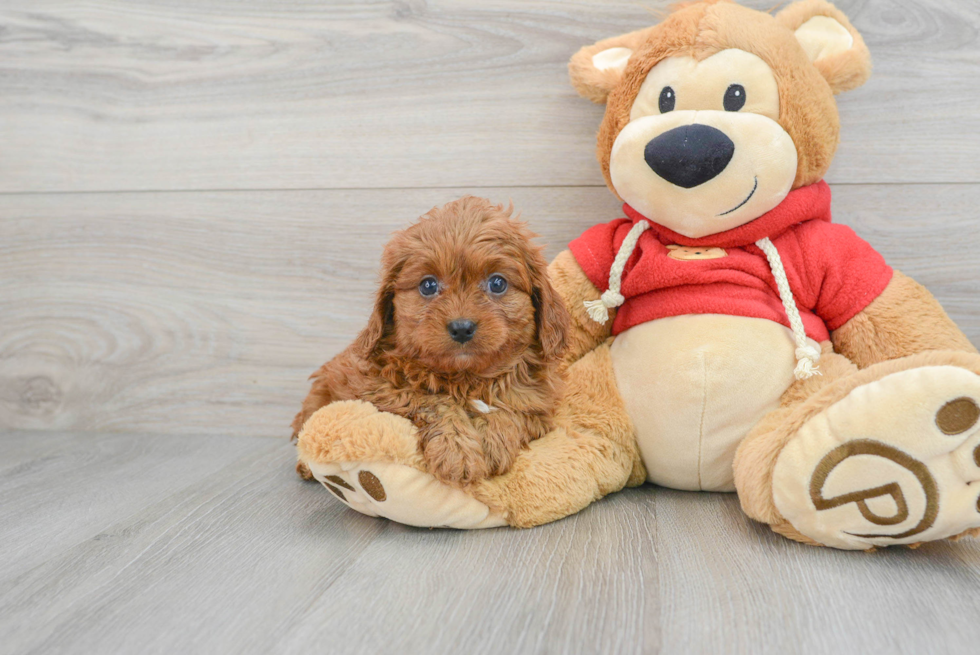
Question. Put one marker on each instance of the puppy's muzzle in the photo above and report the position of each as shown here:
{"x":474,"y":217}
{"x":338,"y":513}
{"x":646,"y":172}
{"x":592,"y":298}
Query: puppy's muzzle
{"x":461,"y":330}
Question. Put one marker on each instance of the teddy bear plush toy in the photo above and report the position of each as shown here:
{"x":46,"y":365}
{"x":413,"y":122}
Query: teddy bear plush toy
{"x":728,"y":336}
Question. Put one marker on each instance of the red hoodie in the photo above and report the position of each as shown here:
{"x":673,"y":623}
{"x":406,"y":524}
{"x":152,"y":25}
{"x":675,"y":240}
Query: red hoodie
{"x":833,"y":273}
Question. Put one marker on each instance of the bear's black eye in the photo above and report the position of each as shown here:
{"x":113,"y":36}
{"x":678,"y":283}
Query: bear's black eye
{"x":667,"y":100}
{"x":429,"y":286}
{"x":496,"y":284}
{"x":734,"y":97}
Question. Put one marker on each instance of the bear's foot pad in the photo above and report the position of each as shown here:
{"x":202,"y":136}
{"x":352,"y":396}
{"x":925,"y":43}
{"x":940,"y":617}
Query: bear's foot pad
{"x":404,"y":495}
{"x":896,"y":461}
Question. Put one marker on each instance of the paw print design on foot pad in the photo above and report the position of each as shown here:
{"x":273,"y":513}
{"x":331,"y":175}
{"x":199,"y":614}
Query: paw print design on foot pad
{"x":896,"y":461}
{"x":403,"y":494}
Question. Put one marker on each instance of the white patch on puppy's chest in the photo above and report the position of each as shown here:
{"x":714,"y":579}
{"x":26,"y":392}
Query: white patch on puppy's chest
{"x":481,"y":406}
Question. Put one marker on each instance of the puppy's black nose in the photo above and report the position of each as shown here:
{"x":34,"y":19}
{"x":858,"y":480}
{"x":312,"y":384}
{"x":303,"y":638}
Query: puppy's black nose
{"x":689,"y":155}
{"x":461,"y":329}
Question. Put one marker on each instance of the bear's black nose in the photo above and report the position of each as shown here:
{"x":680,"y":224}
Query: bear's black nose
{"x":689,"y":155}
{"x":461,"y":329}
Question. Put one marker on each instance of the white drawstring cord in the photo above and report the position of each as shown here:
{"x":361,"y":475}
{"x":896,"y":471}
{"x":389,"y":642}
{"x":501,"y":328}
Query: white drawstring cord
{"x":806,"y":355}
{"x":599,"y":309}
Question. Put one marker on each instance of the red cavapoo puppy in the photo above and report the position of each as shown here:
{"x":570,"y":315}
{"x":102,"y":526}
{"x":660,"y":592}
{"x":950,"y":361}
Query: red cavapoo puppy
{"x":465,"y":341}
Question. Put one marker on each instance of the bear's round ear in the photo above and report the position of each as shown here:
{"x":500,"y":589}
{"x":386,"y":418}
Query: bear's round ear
{"x":830,"y":41}
{"x":596,"y":69}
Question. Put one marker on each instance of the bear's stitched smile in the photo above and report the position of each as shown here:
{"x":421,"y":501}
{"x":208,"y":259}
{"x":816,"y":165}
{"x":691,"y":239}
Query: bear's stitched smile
{"x":755,"y":186}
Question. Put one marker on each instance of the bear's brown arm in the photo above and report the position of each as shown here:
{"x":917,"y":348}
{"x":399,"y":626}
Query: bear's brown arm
{"x":904,"y":320}
{"x":574,"y":287}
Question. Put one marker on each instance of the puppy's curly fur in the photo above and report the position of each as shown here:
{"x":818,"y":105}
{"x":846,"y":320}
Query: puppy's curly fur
{"x":406,"y":361}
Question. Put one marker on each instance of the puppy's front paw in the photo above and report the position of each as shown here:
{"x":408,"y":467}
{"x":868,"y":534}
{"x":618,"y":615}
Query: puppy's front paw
{"x":500,"y":455}
{"x":454,"y":459}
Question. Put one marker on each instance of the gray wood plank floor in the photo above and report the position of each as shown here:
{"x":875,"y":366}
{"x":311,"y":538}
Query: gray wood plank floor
{"x":177,"y":544}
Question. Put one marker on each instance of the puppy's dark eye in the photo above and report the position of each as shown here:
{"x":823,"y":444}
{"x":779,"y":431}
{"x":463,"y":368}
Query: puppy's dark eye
{"x":429,"y":286}
{"x":734,"y":97}
{"x":496,"y":284}
{"x":667,"y":100}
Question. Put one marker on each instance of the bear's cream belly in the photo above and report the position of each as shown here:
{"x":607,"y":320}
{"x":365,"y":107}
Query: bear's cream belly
{"x":694,"y":386}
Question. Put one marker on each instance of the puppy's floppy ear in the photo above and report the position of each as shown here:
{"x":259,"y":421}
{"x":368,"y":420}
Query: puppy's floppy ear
{"x":550,"y":313}
{"x":830,"y":41}
{"x":382,"y":320}
{"x":596,"y":69}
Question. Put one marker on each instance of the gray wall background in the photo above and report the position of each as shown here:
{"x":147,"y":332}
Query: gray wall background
{"x":194,"y":195}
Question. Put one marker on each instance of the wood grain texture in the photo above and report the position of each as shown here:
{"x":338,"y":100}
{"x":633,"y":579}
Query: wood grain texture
{"x":203,"y":313}
{"x":124,"y":95}
{"x":104,"y":477}
{"x":224,"y":550}
{"x":198,"y":313}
